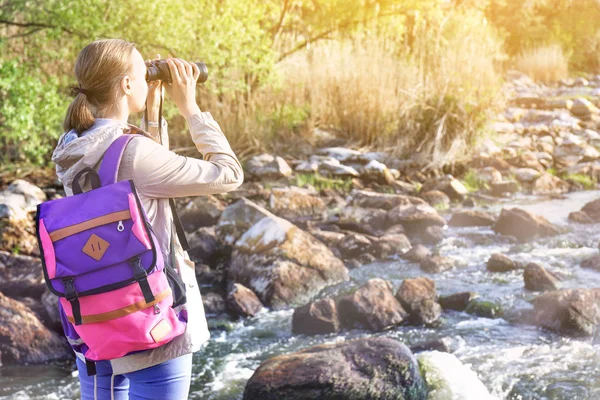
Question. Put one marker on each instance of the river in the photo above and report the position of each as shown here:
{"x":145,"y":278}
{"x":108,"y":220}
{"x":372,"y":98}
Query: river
{"x":514,"y":360}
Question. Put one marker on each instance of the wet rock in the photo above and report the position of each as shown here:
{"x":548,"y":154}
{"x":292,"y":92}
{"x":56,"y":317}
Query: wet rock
{"x":208,"y":277}
{"x":436,"y":199}
{"x":373,"y":306}
{"x":363,"y":220}
{"x":390,"y":245}
{"x":485,"y":309}
{"x":266,"y":166}
{"x":21,"y":276}
{"x":505,"y":188}
{"x":283,"y":264}
{"x":418,"y":297}
{"x":370,"y":368}
{"x":581,"y":217}
{"x":238,"y":218}
{"x":205,"y":246}
{"x":417,"y":254}
{"x":549,"y":184}
{"x":524,"y":225}
{"x":501,"y":263}
{"x":538,"y":279}
{"x":242,"y":301}
{"x":592,"y":263}
{"x":315,"y":318}
{"x":472,"y":218}
{"x":382,"y":201}
{"x":448,"y":378}
{"x":415,"y":218}
{"x":51,"y":317}
{"x":352,"y":264}
{"x":296,"y":203}
{"x":593,"y":210}
{"x":432,"y":235}
{"x":449,"y":185}
{"x":445,"y":345}
{"x":354,"y":245}
{"x":457,"y":301}
{"x":202,"y":211}
{"x":330,"y":239}
{"x":214,"y":304}
{"x":573,"y":312}
{"x":23,"y":338}
{"x":425,"y":312}
{"x":435,"y":264}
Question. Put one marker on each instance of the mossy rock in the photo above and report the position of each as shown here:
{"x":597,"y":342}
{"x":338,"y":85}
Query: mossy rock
{"x":485,"y":309}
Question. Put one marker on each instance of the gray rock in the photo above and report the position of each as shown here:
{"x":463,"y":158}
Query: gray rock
{"x":436,"y":199}
{"x":574,"y":312}
{"x":592,"y":263}
{"x":472,"y":218}
{"x":417,"y":254}
{"x":383,"y":201}
{"x":449,"y":185}
{"x":315,"y":318}
{"x":238,"y":218}
{"x":457,"y":301}
{"x":21,"y":276}
{"x":296,"y":203}
{"x":390,"y":245}
{"x":435,"y":264}
{"x":200,"y":212}
{"x":524,"y":225}
{"x":501,"y":263}
{"x":267,"y":166}
{"x":504,"y":188}
{"x":538,"y":279}
{"x":371,"y":368}
{"x":354,"y":245}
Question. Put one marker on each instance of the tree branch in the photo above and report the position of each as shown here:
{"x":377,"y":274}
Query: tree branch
{"x":42,"y":26}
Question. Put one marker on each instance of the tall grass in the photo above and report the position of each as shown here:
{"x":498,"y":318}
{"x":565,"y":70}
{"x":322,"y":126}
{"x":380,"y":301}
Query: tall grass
{"x":546,"y":64}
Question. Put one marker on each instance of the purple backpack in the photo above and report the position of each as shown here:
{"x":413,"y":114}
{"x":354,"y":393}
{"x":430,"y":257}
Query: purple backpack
{"x":101,"y":257}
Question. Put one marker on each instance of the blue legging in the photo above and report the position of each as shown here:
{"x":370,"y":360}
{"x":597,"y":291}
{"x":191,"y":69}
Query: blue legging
{"x":167,"y":381}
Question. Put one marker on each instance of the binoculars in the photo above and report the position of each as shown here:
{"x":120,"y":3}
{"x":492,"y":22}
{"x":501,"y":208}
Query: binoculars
{"x":158,"y":70}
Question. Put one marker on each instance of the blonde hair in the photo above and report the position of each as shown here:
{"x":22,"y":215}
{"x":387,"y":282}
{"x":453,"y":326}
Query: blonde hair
{"x":99,"y":69}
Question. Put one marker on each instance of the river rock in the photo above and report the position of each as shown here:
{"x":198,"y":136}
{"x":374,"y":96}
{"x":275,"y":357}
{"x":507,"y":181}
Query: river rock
{"x":23,"y":338}
{"x":549,"y":184}
{"x":449,"y":185}
{"x":573,"y":312}
{"x":382,"y":201}
{"x":436,"y":199}
{"x":489,"y":175}
{"x":283,"y":264}
{"x":527,"y":175}
{"x":242,"y":302}
{"x":592,"y":209}
{"x":51,"y":318}
{"x":238,"y":218}
{"x":472,"y":218}
{"x":538,"y":279}
{"x":202,"y":211}
{"x":417,"y":253}
{"x":18,"y":235}
{"x":296,"y":203}
{"x":336,"y":169}
{"x":373,"y":305}
{"x":457,"y":301}
{"x":415,"y":218}
{"x":484,"y":162}
{"x":581,"y":217}
{"x":501,"y":263}
{"x":354,"y":245}
{"x":339,"y":153}
{"x":390,"y":245}
{"x":432,"y":235}
{"x":266,"y":166}
{"x":205,"y":246}
{"x":378,"y":172}
{"x":448,"y":378}
{"x":19,"y":199}
{"x":214,"y":304}
{"x":418,"y":297}
{"x":315,"y":318}
{"x":524,"y":225}
{"x":485,"y":309}
{"x":505,"y":188}
{"x":435,"y":264}
{"x":364,"y":220}
{"x":583,"y":108}
{"x":21,"y":276}
{"x":369,"y":368}
{"x":592,"y":263}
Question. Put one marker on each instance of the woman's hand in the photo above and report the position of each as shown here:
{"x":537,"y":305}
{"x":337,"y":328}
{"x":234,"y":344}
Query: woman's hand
{"x":182,"y":90}
{"x":155,"y":93}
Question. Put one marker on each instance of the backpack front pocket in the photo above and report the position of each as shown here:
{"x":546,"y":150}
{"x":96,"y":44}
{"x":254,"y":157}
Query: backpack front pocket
{"x":119,"y":322}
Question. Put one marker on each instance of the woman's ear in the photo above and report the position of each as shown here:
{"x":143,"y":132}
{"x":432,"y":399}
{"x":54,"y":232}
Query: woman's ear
{"x":126,"y":85}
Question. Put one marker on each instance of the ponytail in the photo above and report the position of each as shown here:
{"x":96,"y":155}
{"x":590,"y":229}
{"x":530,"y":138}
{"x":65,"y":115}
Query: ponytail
{"x":79,"y":115}
{"x":99,"y":68}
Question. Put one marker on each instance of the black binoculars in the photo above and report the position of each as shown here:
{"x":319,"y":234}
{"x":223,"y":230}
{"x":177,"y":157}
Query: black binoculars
{"x":158,"y":70}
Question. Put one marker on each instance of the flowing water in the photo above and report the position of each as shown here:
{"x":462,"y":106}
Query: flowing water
{"x":514,"y":360}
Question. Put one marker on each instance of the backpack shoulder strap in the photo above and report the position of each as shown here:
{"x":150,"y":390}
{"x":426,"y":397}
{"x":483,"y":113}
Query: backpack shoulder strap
{"x":109,"y":168}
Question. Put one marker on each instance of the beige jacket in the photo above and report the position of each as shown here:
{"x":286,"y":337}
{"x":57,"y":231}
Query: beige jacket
{"x":159,"y":174}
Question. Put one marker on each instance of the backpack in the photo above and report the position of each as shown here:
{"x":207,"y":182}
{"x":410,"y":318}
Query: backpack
{"x":102,"y":259}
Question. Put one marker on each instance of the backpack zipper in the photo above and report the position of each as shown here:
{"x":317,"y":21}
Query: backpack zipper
{"x":120,"y":226}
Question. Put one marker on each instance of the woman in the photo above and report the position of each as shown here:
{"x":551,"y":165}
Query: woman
{"x":112,"y":84}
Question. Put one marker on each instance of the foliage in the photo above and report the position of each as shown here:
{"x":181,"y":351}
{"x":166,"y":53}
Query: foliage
{"x":320,"y":182}
{"x":544,"y":64}
{"x":473,"y":182}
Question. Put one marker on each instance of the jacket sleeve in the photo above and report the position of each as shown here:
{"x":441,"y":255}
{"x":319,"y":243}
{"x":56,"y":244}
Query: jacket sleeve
{"x":160,"y":173}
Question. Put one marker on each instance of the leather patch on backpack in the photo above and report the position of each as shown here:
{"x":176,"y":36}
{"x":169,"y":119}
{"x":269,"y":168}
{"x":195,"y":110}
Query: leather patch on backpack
{"x":95,"y":247}
{"x":160,"y":330}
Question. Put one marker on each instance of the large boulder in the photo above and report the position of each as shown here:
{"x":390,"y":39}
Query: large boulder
{"x":364,"y":220}
{"x":354,"y":245}
{"x":238,"y":218}
{"x":318,"y":317}
{"x":524,"y":225}
{"x":24,"y":339}
{"x":390,"y":245}
{"x":282,"y":264}
{"x":537,"y":278}
{"x":549,"y":184}
{"x":415,"y":218}
{"x":448,"y":378}
{"x":371,"y":368}
{"x":418,"y":296}
{"x":201,"y":211}
{"x":573,"y":312}
{"x":296,"y":203}
{"x":21,"y":276}
{"x":205,"y":246}
{"x":373,"y":305}
{"x":472,"y":218}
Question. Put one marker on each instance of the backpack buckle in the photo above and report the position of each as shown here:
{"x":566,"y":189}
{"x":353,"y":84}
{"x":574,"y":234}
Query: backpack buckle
{"x":70,"y":292}
{"x":139,"y":273}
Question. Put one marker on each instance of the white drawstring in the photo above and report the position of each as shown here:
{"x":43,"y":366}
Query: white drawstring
{"x":95,"y":389}
{"x":112,"y":387}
